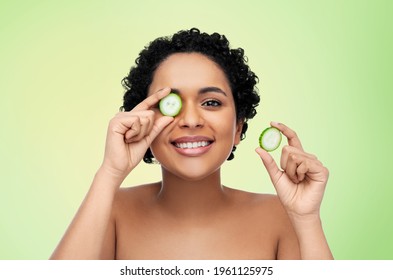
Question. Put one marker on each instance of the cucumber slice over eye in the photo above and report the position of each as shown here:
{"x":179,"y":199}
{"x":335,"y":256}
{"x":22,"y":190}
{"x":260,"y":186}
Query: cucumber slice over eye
{"x":270,"y":139}
{"x":170,"y":105}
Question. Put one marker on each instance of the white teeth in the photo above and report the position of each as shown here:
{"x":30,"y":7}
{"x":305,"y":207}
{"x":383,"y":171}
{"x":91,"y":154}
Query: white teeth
{"x":192,"y":145}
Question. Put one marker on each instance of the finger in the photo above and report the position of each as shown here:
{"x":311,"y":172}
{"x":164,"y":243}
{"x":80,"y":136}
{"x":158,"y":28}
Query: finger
{"x":130,"y":123}
{"x":133,"y":131}
{"x":145,"y":127}
{"x":291,"y":167}
{"x":293,"y":139}
{"x":158,"y":126}
{"x":300,"y":166}
{"x":301,"y":171}
{"x":152,"y":100}
{"x":150,"y":123}
{"x":143,"y":130}
{"x":134,"y":135}
{"x":314,"y":170}
{"x":270,"y":165}
{"x":287,"y":150}
{"x":120,"y":125}
{"x":128,"y":114}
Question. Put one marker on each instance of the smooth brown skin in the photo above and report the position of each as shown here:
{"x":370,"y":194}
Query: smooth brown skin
{"x":240,"y":225}
{"x":190,"y":214}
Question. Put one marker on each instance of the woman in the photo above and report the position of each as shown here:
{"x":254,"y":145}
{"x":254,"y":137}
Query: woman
{"x":190,"y":214}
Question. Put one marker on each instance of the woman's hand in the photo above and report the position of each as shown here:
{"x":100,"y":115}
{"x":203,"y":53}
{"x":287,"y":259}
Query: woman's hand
{"x":91,"y":235}
{"x":130,"y":135}
{"x":301,"y":182}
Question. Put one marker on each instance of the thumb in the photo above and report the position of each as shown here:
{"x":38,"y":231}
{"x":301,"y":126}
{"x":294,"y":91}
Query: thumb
{"x":158,"y":126}
{"x":270,"y":165}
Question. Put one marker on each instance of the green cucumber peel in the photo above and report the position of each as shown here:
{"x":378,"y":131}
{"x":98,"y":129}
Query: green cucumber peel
{"x":170,"y":105}
{"x":270,"y":139}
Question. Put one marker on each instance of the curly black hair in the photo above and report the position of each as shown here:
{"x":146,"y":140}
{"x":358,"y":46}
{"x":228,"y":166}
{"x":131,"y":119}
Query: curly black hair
{"x":216,"y":47}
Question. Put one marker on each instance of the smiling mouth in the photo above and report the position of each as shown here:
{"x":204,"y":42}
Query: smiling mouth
{"x":192,"y":145}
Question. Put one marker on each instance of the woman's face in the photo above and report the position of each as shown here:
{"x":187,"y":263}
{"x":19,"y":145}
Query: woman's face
{"x":201,"y":137}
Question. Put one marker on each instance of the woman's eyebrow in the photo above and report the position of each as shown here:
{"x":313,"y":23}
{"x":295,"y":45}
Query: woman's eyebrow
{"x":211,"y":89}
{"x":203,"y":90}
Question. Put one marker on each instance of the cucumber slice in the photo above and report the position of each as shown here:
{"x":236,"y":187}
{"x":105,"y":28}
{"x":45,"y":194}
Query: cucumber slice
{"x":270,"y":139}
{"x":170,"y":105}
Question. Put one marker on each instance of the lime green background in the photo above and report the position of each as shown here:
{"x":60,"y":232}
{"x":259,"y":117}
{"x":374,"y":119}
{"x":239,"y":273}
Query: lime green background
{"x":325,"y":69}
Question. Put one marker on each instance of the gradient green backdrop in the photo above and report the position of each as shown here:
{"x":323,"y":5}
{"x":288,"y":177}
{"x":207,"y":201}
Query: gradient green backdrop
{"x":325,"y":69}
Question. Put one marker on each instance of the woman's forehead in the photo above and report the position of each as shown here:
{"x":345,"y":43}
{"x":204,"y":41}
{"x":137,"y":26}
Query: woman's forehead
{"x":189,"y":70}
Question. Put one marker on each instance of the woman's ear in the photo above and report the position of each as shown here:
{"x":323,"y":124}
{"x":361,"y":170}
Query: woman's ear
{"x":239,"y":129}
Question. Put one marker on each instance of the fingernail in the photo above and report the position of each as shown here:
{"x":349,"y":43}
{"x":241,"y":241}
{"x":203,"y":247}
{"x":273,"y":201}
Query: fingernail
{"x":275,"y":123}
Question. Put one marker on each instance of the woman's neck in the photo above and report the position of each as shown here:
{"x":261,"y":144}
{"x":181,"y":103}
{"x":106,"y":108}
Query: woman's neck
{"x":185,"y":198}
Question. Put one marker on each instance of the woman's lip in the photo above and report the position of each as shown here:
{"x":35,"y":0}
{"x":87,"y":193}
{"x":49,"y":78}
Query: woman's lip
{"x":196,"y":138}
{"x":193,"y":152}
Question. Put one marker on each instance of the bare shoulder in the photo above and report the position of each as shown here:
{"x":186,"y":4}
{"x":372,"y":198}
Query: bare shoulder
{"x":262,"y":209}
{"x":137,"y":197}
{"x":267,"y":215}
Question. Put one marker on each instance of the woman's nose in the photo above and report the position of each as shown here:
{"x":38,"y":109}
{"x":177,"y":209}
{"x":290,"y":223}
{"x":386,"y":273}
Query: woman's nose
{"x":190,"y":116}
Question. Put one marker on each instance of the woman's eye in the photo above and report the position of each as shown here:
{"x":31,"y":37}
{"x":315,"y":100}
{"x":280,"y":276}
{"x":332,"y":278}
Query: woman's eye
{"x":211,"y":103}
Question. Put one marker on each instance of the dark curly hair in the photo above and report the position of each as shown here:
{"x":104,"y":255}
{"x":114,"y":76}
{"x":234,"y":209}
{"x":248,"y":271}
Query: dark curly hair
{"x":216,"y":47}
